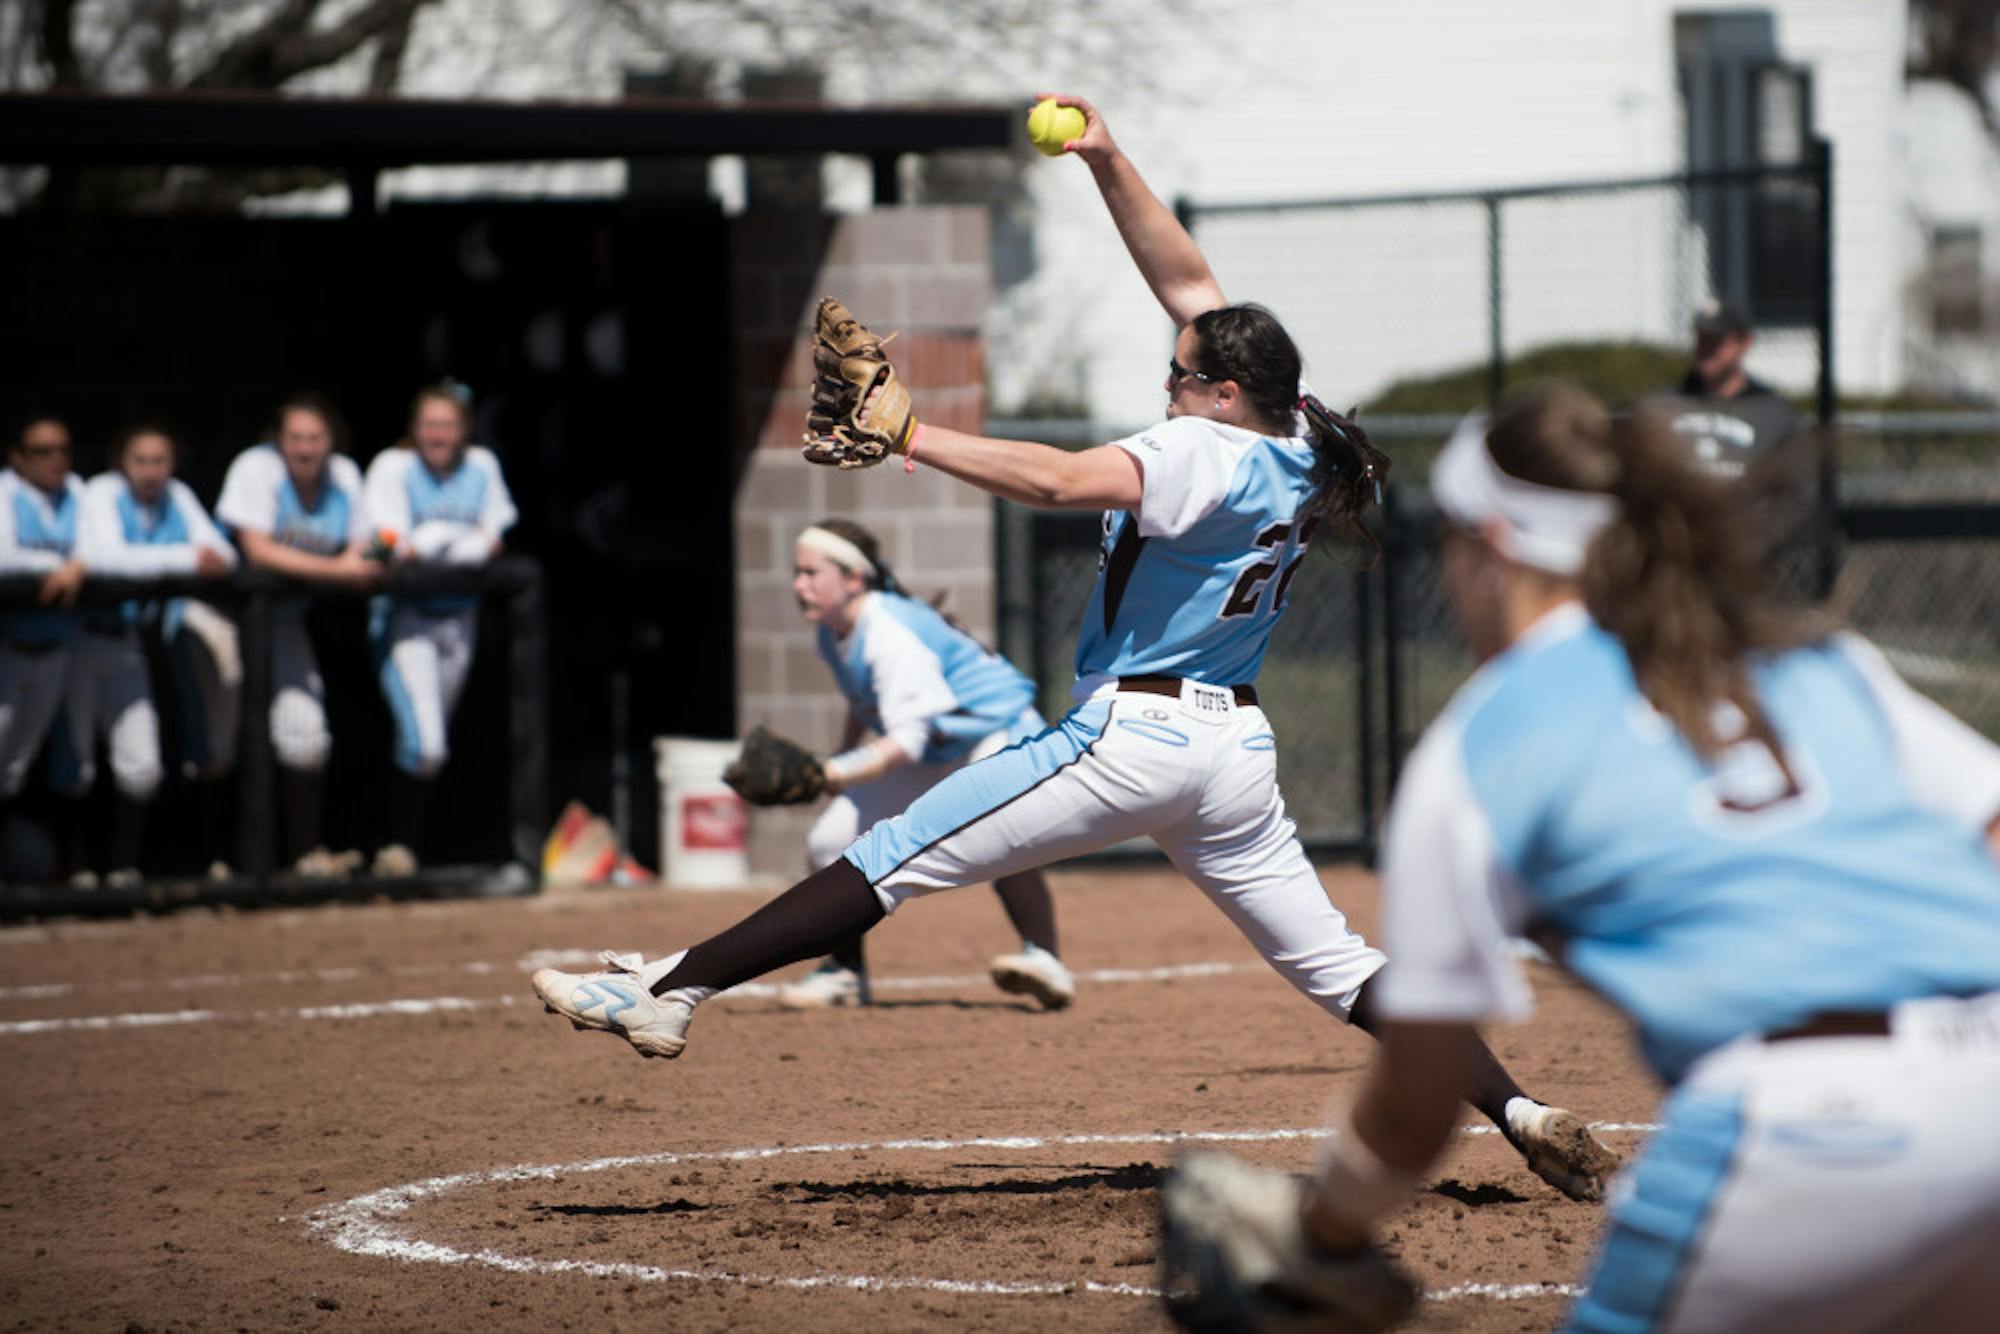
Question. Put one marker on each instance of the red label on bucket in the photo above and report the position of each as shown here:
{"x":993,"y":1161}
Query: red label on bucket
{"x":718,"y":823}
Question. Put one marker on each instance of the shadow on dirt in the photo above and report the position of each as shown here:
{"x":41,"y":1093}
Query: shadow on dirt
{"x":1133,"y":1176}
{"x":681,"y":1206}
{"x":1476,"y":1196}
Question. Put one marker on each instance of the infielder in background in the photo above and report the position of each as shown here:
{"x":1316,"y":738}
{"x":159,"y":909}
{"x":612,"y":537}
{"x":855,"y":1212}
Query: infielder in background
{"x":936,"y":700}
{"x":39,"y":501}
{"x":139,"y":522}
{"x":1207,"y":517}
{"x":296,"y":507}
{"x":1744,"y":831}
{"x":440,"y":500}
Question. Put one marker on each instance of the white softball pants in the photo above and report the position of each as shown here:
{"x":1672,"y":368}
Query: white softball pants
{"x":424,"y":660}
{"x":1835,"y":1184}
{"x":109,"y":692}
{"x":299,"y":734}
{"x":208,"y":663}
{"x":31,"y":690}
{"x":861,"y":806}
{"x":1197,"y":774}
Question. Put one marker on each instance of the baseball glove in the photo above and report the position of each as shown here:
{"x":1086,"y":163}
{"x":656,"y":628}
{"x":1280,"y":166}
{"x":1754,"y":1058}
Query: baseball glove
{"x":771,"y":771}
{"x":1234,"y":1256}
{"x":844,"y":428}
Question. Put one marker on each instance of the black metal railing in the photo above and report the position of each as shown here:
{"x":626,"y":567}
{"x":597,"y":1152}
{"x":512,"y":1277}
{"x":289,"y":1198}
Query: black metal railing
{"x":252,"y":598}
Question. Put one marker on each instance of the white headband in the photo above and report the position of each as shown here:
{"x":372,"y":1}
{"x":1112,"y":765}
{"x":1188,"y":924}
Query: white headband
{"x":841,"y":551}
{"x":1546,"y":527}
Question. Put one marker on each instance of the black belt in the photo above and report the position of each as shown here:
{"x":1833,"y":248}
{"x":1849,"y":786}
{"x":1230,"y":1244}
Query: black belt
{"x":1836,"y":1024}
{"x":1171,"y":685}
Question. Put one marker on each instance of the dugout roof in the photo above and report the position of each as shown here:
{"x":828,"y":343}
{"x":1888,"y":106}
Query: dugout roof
{"x":369,"y":134}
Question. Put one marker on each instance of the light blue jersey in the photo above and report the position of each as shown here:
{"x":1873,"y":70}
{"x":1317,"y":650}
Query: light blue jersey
{"x":1192,"y":583}
{"x":38,"y":532}
{"x":910,"y":674}
{"x":1706,"y":901}
{"x":258,"y":494}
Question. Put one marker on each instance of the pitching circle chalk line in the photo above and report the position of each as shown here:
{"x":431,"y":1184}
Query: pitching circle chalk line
{"x":361,"y":1225}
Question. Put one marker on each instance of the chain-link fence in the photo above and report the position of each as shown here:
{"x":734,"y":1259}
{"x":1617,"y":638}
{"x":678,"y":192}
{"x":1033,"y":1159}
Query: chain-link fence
{"x":1440,"y":303}
{"x":1427,"y":307}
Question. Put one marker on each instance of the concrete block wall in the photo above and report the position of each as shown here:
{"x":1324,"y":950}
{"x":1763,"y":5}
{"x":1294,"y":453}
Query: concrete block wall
{"x":924,"y":274}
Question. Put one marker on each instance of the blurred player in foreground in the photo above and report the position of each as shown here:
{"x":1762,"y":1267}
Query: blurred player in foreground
{"x":295,"y":507}
{"x":1744,"y":831}
{"x":936,"y":699}
{"x":140,"y":522}
{"x":438,"y":499}
{"x":1206,"y":519}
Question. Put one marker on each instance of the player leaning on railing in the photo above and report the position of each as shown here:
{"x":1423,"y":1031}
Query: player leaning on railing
{"x":1206,"y":518}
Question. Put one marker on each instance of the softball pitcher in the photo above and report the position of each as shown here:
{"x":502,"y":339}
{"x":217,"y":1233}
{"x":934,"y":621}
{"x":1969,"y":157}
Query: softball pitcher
{"x":296,"y":507}
{"x":39,"y":501}
{"x":936,"y":699}
{"x":1746,"y":833}
{"x":1207,"y":516}
{"x":442,"y":501}
{"x":138,"y":522}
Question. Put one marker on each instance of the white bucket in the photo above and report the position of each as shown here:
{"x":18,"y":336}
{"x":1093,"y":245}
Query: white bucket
{"x":704,"y":825}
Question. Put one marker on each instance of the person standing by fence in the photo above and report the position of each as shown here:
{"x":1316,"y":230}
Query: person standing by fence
{"x":295,"y":506}
{"x":138,"y":522}
{"x":437,"y":499}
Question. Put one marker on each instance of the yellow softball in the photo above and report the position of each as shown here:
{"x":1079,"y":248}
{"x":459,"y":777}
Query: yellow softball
{"x":1051,"y":126}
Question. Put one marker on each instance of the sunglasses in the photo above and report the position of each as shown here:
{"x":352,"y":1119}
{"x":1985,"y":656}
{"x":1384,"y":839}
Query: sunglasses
{"x":1180,"y":372}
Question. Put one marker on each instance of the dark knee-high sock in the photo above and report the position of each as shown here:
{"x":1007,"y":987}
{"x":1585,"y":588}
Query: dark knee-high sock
{"x":1030,"y":907}
{"x":128,"y":833}
{"x":1490,"y":1085}
{"x":209,"y":813}
{"x":814,"y":917}
{"x":849,"y":955}
{"x":72,"y":837}
{"x":303,"y":792}
{"x":409,"y":808}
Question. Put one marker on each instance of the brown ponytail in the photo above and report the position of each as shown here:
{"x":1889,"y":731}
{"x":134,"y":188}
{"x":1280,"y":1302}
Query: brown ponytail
{"x":1674,"y":576}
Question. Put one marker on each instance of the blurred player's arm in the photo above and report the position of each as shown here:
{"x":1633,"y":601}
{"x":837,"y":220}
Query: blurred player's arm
{"x":1950,"y":767}
{"x":351,"y":567}
{"x":1447,"y":915}
{"x":1169,"y":260}
{"x":1396,"y":1129}
{"x":910,"y":692}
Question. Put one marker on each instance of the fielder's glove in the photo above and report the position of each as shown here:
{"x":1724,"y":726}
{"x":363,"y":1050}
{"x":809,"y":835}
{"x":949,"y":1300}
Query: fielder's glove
{"x":1234,"y":1256}
{"x":771,"y":771}
{"x":843,"y":428}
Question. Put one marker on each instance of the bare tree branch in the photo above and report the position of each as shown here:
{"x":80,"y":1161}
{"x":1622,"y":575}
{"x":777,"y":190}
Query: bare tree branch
{"x":387,"y":67}
{"x":286,"y":44}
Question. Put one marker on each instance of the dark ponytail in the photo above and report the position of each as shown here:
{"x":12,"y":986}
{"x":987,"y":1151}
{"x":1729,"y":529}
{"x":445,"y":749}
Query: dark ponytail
{"x":1247,"y":344}
{"x":1347,"y":473}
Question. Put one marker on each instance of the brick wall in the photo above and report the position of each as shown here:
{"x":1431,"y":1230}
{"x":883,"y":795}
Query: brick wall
{"x":923,"y":272}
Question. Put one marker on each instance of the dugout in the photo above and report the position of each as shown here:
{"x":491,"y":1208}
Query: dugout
{"x":561,"y":314}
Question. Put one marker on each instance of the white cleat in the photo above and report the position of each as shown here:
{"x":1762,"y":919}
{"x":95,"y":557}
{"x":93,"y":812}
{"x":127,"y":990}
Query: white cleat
{"x":1560,"y":1149}
{"x":824,"y":987}
{"x":618,"y":1001}
{"x":1035,"y":972}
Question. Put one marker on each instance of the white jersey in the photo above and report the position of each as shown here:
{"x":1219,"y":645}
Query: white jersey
{"x":1707,"y":901}
{"x":258,"y":495}
{"x":118,"y":534}
{"x":455,"y":519}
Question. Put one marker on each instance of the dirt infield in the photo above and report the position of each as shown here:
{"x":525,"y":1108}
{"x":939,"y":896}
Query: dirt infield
{"x":357,"y":1117}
